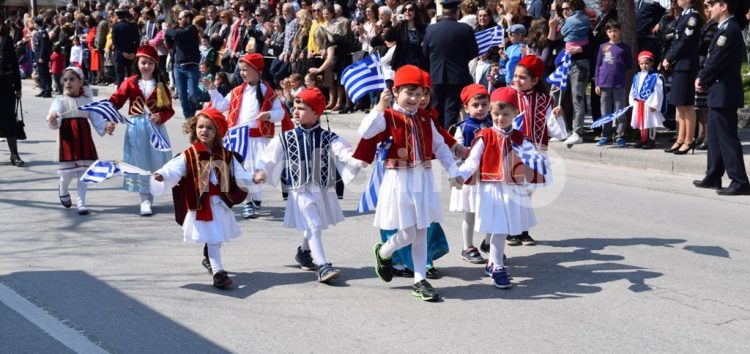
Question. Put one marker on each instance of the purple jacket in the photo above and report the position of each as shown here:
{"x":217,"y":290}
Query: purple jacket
{"x":612,"y":63}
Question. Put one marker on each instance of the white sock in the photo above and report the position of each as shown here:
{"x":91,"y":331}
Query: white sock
{"x":419,"y":254}
{"x":214,"y":255}
{"x":146,"y":197}
{"x":400,"y":239}
{"x":497,"y":248}
{"x":65,"y":179}
{"x":487,"y":238}
{"x":82,"y":188}
{"x":316,"y":246}
{"x":305,"y":245}
{"x":467,"y":228}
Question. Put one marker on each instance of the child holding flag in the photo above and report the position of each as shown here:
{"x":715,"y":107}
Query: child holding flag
{"x":477,"y":105}
{"x":647,"y":99}
{"x":150,"y":106}
{"x":208,"y":180}
{"x":408,"y":198}
{"x":310,"y":156}
{"x":254,"y":103}
{"x":76,"y":147}
{"x":499,"y":209}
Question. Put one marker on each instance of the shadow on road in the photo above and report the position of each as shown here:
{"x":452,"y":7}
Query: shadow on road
{"x":105,"y":315}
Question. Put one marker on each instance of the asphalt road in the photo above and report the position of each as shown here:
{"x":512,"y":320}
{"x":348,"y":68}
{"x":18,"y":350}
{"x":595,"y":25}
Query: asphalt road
{"x":629,"y":260}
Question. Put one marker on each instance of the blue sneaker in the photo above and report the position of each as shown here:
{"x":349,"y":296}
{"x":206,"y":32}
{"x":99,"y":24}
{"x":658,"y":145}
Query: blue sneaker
{"x":620,"y":142}
{"x":500,"y":278}
{"x":488,"y":269}
{"x":603,"y":141}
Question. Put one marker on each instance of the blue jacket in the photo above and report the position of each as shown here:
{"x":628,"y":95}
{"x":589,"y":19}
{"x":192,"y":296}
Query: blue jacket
{"x":576,"y":27}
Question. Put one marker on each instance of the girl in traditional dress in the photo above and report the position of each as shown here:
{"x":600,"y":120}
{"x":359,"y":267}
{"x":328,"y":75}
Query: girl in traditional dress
{"x":150,"y":108}
{"x":76,"y":147}
{"x":647,"y":99}
{"x":209,"y":182}
{"x":310,"y":156}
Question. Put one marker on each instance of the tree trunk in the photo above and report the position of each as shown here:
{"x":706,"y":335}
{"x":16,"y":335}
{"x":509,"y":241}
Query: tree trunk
{"x":626,"y":17}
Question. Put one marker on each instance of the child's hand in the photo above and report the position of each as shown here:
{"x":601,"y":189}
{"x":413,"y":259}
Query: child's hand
{"x":651,"y":109}
{"x":456,"y":182}
{"x":209,"y":84}
{"x":460,"y":151}
{"x":264,"y":116}
{"x":385,"y":100}
{"x":259,"y":177}
{"x":155,"y":117}
{"x":598,"y":91}
{"x":158,"y":177}
{"x":556,"y":111}
{"x":110,"y":128}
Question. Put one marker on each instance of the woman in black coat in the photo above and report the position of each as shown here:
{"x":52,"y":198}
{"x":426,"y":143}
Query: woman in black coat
{"x":10,"y":88}
{"x":408,"y":34}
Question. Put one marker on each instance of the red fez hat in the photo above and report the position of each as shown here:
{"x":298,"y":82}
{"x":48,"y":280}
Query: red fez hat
{"x":534,"y":64}
{"x":255,"y":60}
{"x":427,"y":80}
{"x":506,"y":95}
{"x":220,"y":123}
{"x":646,"y":54}
{"x":148,"y":52}
{"x":472,"y":90}
{"x":313,"y":98}
{"x":408,"y":75}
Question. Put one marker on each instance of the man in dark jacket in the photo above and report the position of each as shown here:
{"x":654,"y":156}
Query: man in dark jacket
{"x":449,"y":46}
{"x":42,"y":53}
{"x":186,"y":43}
{"x":125,"y":39}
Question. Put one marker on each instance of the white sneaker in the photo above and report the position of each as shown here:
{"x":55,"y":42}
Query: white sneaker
{"x":573,"y":139}
{"x":146,"y":208}
{"x":554,"y":140}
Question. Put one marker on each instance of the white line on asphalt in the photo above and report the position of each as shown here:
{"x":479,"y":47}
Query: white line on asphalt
{"x":47,"y":323}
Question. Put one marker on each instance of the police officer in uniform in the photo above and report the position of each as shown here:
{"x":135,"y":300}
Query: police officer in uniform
{"x":682,"y":59}
{"x":449,"y":45}
{"x":42,"y":53}
{"x":721,"y":76}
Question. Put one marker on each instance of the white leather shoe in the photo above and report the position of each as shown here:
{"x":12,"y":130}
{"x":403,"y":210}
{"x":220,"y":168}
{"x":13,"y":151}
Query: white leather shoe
{"x":146,"y":208}
{"x":573,"y":139}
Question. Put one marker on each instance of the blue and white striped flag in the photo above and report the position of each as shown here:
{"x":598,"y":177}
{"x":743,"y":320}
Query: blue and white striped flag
{"x":531,"y":158}
{"x":370,"y":196}
{"x":560,"y":76}
{"x":105,"y":109}
{"x":236,"y":140}
{"x":363,"y":77}
{"x":158,"y":141}
{"x":489,"y":38}
{"x":518,"y":121}
{"x":609,"y":117}
{"x":103,"y":170}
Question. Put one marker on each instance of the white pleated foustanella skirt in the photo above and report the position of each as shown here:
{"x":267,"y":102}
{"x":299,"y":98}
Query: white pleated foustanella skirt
{"x":464,"y":199}
{"x":312,"y":207}
{"x":255,"y":148}
{"x":408,"y":197}
{"x":222,"y":228}
{"x":501,"y":209}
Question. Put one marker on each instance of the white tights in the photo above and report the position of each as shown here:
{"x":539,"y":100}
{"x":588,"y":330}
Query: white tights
{"x":214,"y":255}
{"x":418,"y":240}
{"x":314,"y":243}
{"x":81,"y":187}
{"x":497,"y":248}
{"x":467,"y":228}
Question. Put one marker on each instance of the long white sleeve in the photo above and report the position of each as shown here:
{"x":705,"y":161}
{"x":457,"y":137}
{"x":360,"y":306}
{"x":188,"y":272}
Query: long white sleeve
{"x":218,"y":101}
{"x":243,"y":177}
{"x":98,"y":123}
{"x":556,"y":125}
{"x":347,"y":166}
{"x":172,"y":172}
{"x":471,"y":164}
{"x":655,"y":100}
{"x":373,"y":124}
{"x":443,"y":152}
{"x":277,"y":113}
{"x":271,"y":161}
{"x":55,"y":107}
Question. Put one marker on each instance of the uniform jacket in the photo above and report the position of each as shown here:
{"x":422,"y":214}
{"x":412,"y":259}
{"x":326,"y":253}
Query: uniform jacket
{"x":449,"y":46}
{"x":683,"y":54}
{"x":42,"y":45}
{"x":721,"y":70}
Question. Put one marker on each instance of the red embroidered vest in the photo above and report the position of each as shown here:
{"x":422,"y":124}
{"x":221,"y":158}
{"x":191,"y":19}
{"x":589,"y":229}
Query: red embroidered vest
{"x":499,"y":163}
{"x":535,"y":106}
{"x":410,"y":136}
{"x":265,"y":128}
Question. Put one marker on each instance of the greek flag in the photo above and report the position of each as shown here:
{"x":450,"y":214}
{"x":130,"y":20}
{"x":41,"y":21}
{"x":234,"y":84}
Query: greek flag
{"x":158,"y":141}
{"x":518,"y":121}
{"x":531,"y":158}
{"x":363,"y":77}
{"x":489,"y":38}
{"x":103,"y":170}
{"x":105,"y":109}
{"x":560,"y":76}
{"x":236,"y":140}
{"x":609,"y":117}
{"x":370,"y":196}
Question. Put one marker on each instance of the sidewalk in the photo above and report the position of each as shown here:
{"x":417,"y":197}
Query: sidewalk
{"x":656,"y":159}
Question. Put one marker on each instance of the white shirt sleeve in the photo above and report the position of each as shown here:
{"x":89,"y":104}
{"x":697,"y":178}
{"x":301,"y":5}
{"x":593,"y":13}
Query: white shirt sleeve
{"x":98,"y":122}
{"x":655,"y":100}
{"x":277,"y":113}
{"x":271,"y":161}
{"x":347,"y":166}
{"x":172,"y":172}
{"x":218,"y":101}
{"x":471,"y":164}
{"x":443,"y":152}
{"x":373,"y":124}
{"x":56,"y":107}
{"x":242,"y":177}
{"x":556,"y":125}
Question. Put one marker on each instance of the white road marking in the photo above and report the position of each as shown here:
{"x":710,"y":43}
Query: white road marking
{"x":47,"y":323}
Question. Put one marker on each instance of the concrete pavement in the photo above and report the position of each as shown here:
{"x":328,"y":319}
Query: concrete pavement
{"x":629,"y":260}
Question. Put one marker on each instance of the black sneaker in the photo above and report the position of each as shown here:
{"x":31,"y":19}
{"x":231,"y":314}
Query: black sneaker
{"x":206,"y":264}
{"x":425,"y":291}
{"x":513,"y":240}
{"x":304,"y":259}
{"x":383,"y":266}
{"x":403,"y":273}
{"x":472,"y":255}
{"x":327,"y":273}
{"x":485,"y":246}
{"x":432,"y":273}
{"x":526,"y":239}
{"x":221,"y":280}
